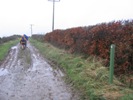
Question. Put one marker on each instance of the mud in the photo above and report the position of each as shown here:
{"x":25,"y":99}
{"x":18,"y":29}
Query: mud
{"x":26,"y":75}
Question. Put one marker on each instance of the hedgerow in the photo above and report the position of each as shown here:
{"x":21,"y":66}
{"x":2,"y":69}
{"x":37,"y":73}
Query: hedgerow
{"x":96,"y":40}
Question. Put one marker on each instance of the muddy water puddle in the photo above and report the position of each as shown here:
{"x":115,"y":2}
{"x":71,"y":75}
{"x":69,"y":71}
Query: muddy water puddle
{"x":34,"y":80}
{"x":3,"y":72}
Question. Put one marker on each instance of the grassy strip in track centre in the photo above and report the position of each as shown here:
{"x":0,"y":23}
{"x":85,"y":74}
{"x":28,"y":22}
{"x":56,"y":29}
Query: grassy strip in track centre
{"x":89,"y":76}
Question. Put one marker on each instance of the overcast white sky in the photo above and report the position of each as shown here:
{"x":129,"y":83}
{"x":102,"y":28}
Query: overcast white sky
{"x":17,"y":15}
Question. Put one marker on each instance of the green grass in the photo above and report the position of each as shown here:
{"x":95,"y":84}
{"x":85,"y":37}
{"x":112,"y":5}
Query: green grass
{"x":88,"y":76}
{"x":5,"y":47}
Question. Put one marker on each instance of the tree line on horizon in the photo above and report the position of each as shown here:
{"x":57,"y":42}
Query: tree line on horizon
{"x":8,"y":38}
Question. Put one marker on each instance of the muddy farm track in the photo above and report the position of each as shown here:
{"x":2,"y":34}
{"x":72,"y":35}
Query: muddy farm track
{"x":26,"y":75}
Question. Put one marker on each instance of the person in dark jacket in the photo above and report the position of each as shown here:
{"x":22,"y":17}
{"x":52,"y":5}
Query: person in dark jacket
{"x":23,"y":41}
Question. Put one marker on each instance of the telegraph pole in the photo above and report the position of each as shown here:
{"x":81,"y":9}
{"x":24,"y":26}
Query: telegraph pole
{"x":31,"y":28}
{"x":53,"y":12}
{"x":53,"y":15}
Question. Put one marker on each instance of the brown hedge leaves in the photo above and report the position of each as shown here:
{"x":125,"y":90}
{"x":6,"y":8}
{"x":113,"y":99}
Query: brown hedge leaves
{"x":96,"y":40}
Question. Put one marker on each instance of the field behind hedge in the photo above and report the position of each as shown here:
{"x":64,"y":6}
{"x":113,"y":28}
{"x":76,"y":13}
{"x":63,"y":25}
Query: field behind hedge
{"x":96,"y":40}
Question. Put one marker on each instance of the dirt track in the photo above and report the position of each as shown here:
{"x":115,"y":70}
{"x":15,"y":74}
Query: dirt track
{"x":26,"y":75}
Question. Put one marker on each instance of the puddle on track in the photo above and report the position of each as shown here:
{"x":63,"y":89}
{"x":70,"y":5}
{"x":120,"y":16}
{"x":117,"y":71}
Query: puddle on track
{"x":39,"y":82}
{"x":14,"y":47}
{"x":3,"y":71}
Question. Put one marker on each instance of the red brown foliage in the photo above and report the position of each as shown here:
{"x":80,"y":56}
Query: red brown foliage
{"x":96,"y":40}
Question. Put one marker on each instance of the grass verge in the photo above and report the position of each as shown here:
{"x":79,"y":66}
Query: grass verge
{"x":88,"y":76}
{"x":5,"y":47}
